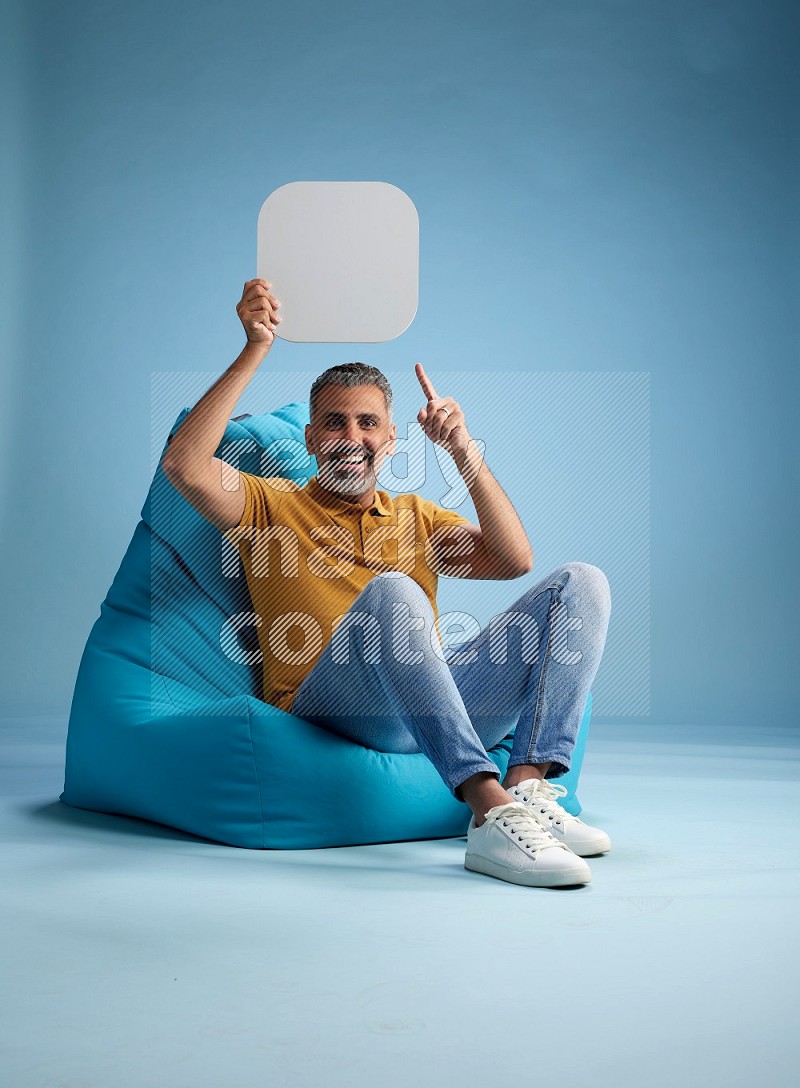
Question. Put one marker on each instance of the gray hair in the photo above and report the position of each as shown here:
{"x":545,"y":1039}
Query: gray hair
{"x":351,"y":375}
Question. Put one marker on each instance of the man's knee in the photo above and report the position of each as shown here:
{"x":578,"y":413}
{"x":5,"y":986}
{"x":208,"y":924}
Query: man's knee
{"x":583,"y":581}
{"x":574,"y":578}
{"x":591,"y":583}
{"x":396,"y":585}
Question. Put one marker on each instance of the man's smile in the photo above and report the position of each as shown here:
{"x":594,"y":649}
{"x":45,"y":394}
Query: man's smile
{"x":350,"y":461}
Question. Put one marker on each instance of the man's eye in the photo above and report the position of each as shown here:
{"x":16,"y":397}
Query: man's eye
{"x":370,"y":422}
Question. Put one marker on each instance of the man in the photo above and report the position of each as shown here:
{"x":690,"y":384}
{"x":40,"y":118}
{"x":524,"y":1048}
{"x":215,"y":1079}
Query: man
{"x":325,"y":548}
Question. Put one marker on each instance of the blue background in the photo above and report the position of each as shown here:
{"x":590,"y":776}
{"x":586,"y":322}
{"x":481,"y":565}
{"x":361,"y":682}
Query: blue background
{"x":603,"y":188}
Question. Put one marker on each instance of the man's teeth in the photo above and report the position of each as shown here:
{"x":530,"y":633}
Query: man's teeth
{"x":355,"y":459}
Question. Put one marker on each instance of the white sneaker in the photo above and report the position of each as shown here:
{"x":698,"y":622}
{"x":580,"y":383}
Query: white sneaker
{"x":512,"y":845}
{"x":542,"y":798}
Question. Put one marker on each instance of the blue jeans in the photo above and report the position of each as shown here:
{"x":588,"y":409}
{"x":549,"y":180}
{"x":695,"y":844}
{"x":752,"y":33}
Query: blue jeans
{"x":394,"y":688}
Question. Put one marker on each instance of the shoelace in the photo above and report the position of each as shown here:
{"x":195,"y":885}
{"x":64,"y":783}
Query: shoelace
{"x":523,"y":826}
{"x":548,"y":793}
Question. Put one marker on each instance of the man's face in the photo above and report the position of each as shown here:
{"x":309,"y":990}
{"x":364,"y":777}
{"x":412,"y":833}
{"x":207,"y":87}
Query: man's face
{"x":350,"y":422}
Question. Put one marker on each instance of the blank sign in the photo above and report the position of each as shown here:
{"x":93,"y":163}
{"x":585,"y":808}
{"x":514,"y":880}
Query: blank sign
{"x":343,"y":258}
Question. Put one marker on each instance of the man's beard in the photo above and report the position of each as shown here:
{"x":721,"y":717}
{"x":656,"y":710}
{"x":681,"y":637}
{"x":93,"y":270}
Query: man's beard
{"x":349,"y":483}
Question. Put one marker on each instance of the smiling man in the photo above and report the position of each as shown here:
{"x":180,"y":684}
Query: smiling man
{"x":343,"y":580}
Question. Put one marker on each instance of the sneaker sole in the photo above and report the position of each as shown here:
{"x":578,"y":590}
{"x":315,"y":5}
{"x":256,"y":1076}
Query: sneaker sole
{"x":527,"y":877}
{"x":588,"y":850}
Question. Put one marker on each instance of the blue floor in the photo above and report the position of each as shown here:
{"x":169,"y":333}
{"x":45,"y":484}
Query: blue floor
{"x":136,"y":956}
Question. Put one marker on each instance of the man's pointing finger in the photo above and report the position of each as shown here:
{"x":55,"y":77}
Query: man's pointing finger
{"x":425,"y":382}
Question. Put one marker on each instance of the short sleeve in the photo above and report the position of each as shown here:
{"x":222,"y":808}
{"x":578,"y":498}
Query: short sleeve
{"x":261,"y":500}
{"x":442,"y":518}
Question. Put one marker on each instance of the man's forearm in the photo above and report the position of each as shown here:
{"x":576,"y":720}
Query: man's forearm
{"x":196,"y":440}
{"x":503,"y":533}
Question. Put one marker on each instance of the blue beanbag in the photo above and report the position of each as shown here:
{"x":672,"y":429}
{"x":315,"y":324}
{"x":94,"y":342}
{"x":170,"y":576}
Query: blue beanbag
{"x":168,"y":727}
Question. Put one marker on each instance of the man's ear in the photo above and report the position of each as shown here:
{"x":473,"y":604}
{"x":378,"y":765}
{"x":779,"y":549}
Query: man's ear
{"x":309,"y":444}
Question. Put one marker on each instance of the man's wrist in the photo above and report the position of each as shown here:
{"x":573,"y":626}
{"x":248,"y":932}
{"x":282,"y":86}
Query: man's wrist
{"x":468,"y":461}
{"x":257,"y":347}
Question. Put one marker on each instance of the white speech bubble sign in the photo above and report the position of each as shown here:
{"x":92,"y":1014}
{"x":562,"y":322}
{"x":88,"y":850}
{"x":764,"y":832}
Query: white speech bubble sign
{"x":343,"y":258}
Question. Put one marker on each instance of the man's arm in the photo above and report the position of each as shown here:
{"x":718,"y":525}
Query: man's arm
{"x":500,"y":543}
{"x":500,"y":546}
{"x":208,"y":483}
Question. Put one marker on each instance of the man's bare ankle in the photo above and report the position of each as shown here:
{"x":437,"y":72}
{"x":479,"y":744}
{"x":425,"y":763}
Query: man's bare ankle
{"x":483,"y":791}
{"x":522,"y":772}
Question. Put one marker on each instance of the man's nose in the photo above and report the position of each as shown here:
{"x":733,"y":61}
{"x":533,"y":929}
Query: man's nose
{"x":352,"y":436}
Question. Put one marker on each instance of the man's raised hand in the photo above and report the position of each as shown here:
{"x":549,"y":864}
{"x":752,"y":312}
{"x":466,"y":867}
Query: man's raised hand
{"x":257,"y":312}
{"x":446,"y":428}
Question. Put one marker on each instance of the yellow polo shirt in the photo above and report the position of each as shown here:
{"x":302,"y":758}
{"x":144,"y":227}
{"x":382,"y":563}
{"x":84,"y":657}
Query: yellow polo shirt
{"x":307,"y":555}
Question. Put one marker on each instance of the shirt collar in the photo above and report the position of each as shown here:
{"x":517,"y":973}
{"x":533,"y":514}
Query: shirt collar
{"x":332,"y":502}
